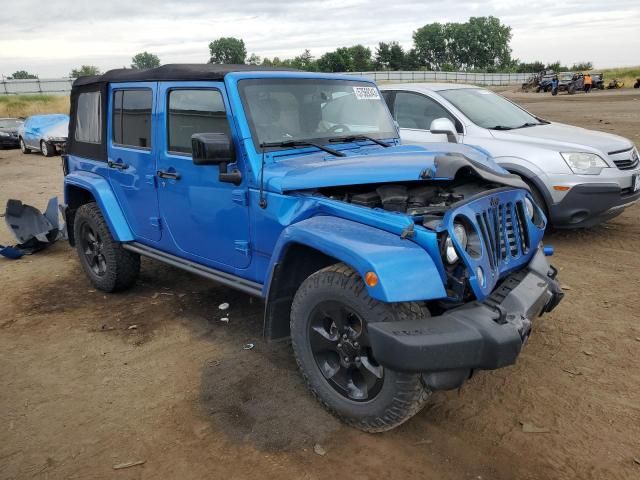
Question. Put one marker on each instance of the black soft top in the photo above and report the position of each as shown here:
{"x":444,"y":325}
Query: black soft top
{"x":97,"y":150}
{"x":171,"y":72}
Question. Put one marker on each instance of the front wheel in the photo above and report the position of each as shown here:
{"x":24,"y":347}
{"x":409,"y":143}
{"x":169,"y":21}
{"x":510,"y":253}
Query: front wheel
{"x":47,"y":149}
{"x":109,"y":266}
{"x":329,"y":318}
{"x":23,"y":147}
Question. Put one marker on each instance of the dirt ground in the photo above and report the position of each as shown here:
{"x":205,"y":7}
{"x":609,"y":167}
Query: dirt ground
{"x":82,"y":390}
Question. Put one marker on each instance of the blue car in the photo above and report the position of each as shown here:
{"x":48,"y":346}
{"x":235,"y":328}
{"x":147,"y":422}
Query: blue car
{"x":394,"y":270}
{"x":46,"y":134}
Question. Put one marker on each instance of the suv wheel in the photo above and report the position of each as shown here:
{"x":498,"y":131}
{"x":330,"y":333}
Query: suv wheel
{"x":23,"y":147}
{"x":109,"y":266}
{"x":46,"y":149}
{"x":329,"y":318}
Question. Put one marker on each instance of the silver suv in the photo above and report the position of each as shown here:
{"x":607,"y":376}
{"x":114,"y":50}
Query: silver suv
{"x":580,"y":177}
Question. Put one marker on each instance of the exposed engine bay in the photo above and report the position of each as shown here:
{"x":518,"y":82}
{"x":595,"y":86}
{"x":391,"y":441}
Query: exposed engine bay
{"x":424,"y":200}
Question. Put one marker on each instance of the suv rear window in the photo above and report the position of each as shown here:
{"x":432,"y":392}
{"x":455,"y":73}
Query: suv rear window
{"x":89,"y":118}
{"x":132,"y":118}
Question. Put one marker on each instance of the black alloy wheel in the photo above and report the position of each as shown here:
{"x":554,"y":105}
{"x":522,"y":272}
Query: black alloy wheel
{"x":341,"y":349}
{"x":93,"y":249}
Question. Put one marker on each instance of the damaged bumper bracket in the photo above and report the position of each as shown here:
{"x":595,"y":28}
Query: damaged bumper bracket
{"x":481,"y":335}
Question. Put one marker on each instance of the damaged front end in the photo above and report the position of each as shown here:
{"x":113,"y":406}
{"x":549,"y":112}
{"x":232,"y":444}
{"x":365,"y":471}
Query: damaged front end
{"x":487,"y":231}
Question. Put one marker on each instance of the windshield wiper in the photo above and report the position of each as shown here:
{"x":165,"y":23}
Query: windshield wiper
{"x":501,"y":127}
{"x":355,"y":138}
{"x":530,"y":124}
{"x":302,"y":143}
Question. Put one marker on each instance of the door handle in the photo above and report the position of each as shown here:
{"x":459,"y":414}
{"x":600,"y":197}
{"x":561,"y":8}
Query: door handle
{"x":120,"y":165}
{"x":168,"y":175}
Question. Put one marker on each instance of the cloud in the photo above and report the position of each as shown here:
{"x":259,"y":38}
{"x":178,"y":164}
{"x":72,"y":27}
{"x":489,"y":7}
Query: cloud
{"x":109,"y":33}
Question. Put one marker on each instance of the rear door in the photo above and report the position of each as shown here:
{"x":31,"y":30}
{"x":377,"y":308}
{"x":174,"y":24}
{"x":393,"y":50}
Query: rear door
{"x":207,"y":220}
{"x":132,"y":156}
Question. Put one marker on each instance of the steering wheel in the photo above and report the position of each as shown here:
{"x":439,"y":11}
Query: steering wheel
{"x":339,"y":128}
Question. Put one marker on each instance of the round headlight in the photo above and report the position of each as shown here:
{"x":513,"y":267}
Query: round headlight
{"x":461,"y":235}
{"x":480,"y":276}
{"x":530,"y":209}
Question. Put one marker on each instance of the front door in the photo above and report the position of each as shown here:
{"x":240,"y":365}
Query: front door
{"x":414,"y":113}
{"x":207,"y":220}
{"x":131,"y":156}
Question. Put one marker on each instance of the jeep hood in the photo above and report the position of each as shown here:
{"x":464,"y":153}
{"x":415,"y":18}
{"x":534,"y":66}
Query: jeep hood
{"x":561,"y":137}
{"x":393,"y":164}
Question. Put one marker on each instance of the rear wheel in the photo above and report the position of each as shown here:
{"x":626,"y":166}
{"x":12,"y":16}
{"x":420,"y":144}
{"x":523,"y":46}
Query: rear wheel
{"x":23,"y":147}
{"x":109,"y":266}
{"x":47,"y":149}
{"x":329,"y":318}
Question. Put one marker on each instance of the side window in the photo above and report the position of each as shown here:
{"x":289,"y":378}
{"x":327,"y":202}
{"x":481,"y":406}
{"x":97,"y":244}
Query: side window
{"x":132,"y":117}
{"x":194,"y":111}
{"x":89,"y":118}
{"x":388,"y":96}
{"x":413,"y":110}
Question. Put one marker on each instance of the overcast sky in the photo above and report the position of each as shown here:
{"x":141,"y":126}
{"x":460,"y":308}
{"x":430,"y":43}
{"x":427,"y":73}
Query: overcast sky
{"x":50,"y":37}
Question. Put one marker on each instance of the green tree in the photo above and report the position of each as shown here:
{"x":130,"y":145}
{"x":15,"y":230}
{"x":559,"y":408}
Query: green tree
{"x":84,"y":70}
{"x":336,"y":61}
{"x":145,"y":60}
{"x":360,"y":58}
{"x":390,"y":56}
{"x":430,"y":42}
{"x":582,"y":66}
{"x":481,"y":43}
{"x":305,"y":61}
{"x":253,"y":59}
{"x":22,"y":75}
{"x":557,"y":67}
{"x":228,"y":50}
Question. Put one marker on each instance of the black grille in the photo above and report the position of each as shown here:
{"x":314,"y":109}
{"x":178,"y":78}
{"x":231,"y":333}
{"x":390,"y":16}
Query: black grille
{"x":628,"y":163}
{"x":504,"y":232}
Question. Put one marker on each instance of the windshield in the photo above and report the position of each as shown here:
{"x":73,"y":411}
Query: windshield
{"x":10,"y":123}
{"x":488,"y":110}
{"x":317,"y":110}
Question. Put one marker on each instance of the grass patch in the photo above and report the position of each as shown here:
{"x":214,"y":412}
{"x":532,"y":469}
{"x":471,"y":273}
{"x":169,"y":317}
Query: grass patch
{"x":25,"y":105}
{"x":628,"y":75}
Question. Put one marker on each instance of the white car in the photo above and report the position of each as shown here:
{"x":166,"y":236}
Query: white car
{"x":580,"y":177}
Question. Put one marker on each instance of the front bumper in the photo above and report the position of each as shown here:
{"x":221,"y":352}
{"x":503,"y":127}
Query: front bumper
{"x":9,"y":142}
{"x":587,"y":205}
{"x":480,"y":335}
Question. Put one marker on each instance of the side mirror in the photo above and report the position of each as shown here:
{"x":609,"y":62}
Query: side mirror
{"x":215,"y":149}
{"x":446,"y":127}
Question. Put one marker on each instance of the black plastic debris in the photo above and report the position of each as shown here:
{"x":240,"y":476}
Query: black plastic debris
{"x":33,"y":230}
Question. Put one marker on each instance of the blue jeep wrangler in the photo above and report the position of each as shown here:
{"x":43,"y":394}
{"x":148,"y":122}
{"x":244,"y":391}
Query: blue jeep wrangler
{"x":395,"y":270}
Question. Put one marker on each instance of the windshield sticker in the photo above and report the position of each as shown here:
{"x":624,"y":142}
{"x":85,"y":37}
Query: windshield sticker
{"x":366,"y":93}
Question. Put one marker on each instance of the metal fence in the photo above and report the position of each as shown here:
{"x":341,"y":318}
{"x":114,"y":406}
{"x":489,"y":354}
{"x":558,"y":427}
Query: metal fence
{"x":489,"y":79}
{"x":62,"y":86}
{"x":59,"y":86}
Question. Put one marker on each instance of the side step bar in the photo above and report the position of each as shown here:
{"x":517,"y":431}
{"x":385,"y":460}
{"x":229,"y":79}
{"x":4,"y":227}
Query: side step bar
{"x":247,"y":286}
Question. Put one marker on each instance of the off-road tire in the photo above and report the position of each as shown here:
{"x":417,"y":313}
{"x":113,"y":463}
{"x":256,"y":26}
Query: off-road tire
{"x":401,"y":396}
{"x":122,"y":266}
{"x":23,"y":147}
{"x":46,"y":149}
{"x":571,"y":89}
